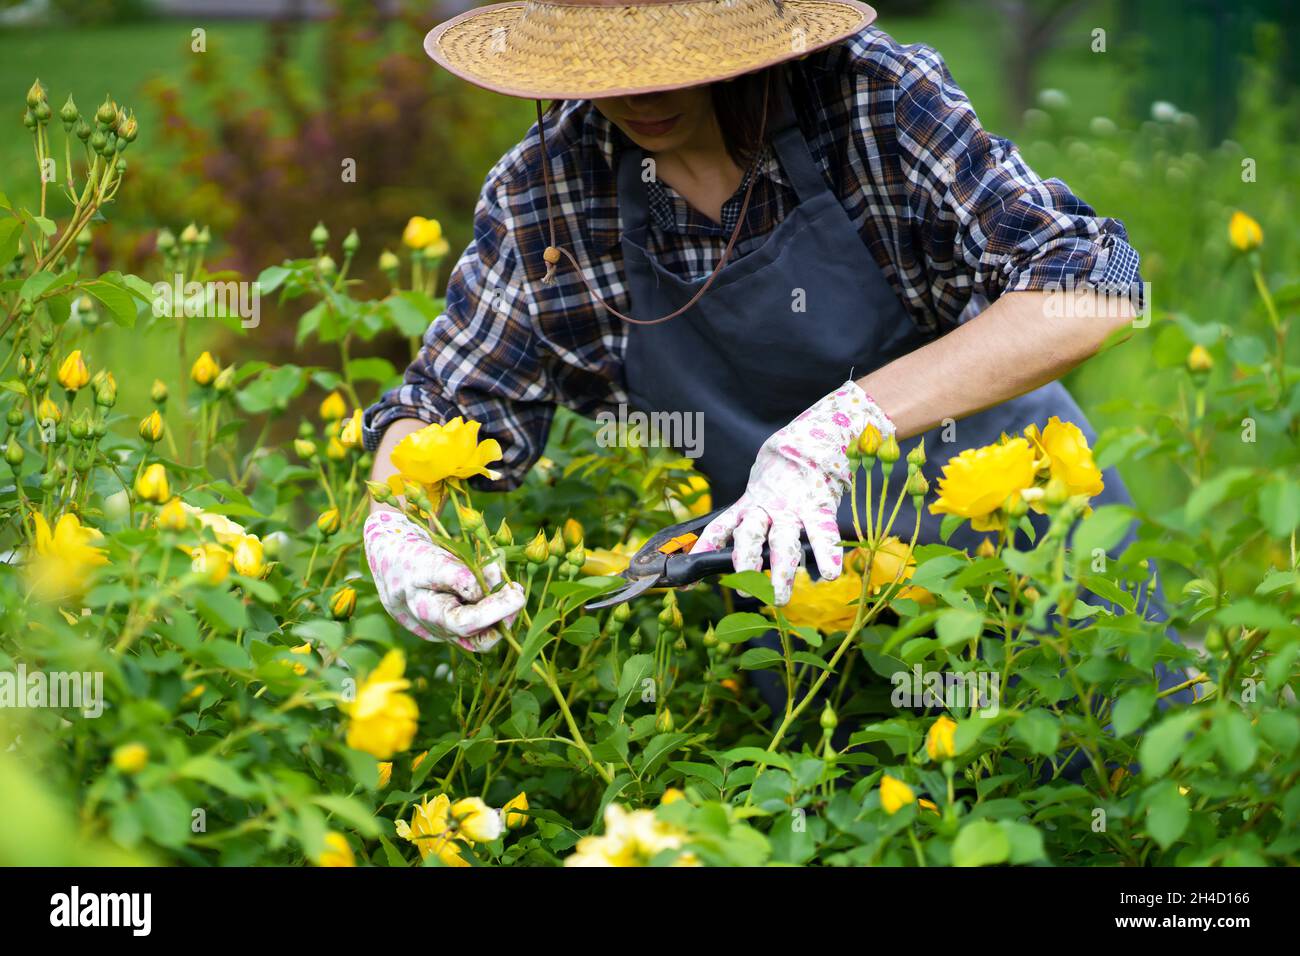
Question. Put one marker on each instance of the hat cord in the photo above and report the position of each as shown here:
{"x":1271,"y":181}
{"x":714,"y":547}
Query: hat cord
{"x":552,"y":253}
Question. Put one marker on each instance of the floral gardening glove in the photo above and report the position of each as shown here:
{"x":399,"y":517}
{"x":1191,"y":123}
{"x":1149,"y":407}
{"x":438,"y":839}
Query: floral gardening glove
{"x":798,"y":478}
{"x":432,"y":593}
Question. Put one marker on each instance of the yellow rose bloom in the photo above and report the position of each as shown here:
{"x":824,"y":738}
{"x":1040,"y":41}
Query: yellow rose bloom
{"x":131,"y":758}
{"x":152,"y":485}
{"x":151,"y":427}
{"x":350,"y":436}
{"x":385,"y":773}
{"x":976,"y":482}
{"x":62,"y":557}
{"x":205,"y":369}
{"x":1244,"y":232}
{"x":438,"y":452}
{"x":828,"y":606}
{"x":212,"y":561}
{"x":343,"y":603}
{"x":940,"y":741}
{"x":631,"y":838}
{"x":332,"y":407}
{"x":1199,"y":359}
{"x":248,"y":557}
{"x":421,"y":232}
{"x":382,"y":718}
{"x":607,"y":562}
{"x":47,"y":411}
{"x":475,"y":820}
{"x":72,"y":372}
{"x":686,"y":492}
{"x":1068,"y":456}
{"x":894,"y":794}
{"x":430,"y":830}
{"x":172,"y":516}
{"x":337,"y":852}
{"x":515,"y":812}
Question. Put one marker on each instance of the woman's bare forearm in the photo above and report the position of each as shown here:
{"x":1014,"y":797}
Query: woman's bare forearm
{"x":1012,"y":347}
{"x":383,"y":466}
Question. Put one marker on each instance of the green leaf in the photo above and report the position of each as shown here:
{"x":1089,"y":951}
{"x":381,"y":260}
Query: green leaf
{"x":1279,"y":506}
{"x":1164,"y":742}
{"x":536,"y":639}
{"x":755,"y":583}
{"x":741,"y":626}
{"x":1167,"y":813}
{"x":1101,"y":530}
{"x":219,"y":773}
{"x":958,"y":626}
{"x":1234,"y":738}
{"x":1026,"y":842}
{"x":120,"y":303}
{"x":222,"y":611}
{"x":11,"y":232}
{"x":1040,"y":731}
{"x":1132,"y":709}
{"x":981,"y":843}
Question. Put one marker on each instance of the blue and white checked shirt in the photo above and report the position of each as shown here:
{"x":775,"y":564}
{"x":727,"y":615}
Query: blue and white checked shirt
{"x":950,"y":213}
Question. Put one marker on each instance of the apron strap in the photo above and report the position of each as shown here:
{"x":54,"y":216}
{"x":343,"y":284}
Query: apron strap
{"x":793,"y":151}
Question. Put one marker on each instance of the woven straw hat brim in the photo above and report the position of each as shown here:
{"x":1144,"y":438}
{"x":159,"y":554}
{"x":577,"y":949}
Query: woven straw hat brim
{"x":580,"y":51}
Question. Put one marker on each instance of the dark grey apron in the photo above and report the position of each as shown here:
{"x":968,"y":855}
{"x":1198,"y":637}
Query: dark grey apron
{"x":749,"y":363}
{"x":745,"y":360}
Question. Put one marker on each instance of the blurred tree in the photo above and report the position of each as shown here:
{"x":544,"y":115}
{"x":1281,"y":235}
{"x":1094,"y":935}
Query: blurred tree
{"x":1033,"y":28}
{"x":1191,"y":51}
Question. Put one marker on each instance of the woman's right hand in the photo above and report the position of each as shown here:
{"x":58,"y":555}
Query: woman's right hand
{"x":431,"y":592}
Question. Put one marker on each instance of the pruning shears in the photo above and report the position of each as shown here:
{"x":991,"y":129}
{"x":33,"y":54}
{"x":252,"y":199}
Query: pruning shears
{"x":665,"y":561}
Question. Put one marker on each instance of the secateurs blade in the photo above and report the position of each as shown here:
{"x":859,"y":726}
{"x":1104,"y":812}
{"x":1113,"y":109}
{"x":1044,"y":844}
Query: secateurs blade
{"x":665,"y":561}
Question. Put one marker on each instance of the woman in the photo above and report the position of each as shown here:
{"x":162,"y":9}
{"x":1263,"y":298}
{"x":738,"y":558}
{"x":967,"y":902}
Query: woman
{"x":766,"y":212}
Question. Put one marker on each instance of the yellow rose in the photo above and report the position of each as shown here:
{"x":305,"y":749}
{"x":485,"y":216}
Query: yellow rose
{"x":828,"y":606}
{"x":72,"y":373}
{"x":152,"y":485}
{"x":350,"y":436}
{"x":1199,"y":359}
{"x":694,"y":496}
{"x":172,"y":516}
{"x":248,"y":557}
{"x":976,"y":482}
{"x":212,"y":561}
{"x":205,"y":369}
{"x":421,"y":232}
{"x":332,"y":408}
{"x":1244,"y":232}
{"x":343,"y":603}
{"x":1068,"y":456}
{"x":328,"y":521}
{"x":131,"y":758}
{"x":631,"y":838}
{"x":305,"y":651}
{"x":382,"y":718}
{"x":151,"y":427}
{"x":431,"y":831}
{"x":940,"y":742}
{"x":475,"y":820}
{"x":894,"y":794}
{"x":515,"y":812}
{"x":385,"y":773}
{"x":47,"y":411}
{"x":337,"y":852}
{"x":607,"y":562}
{"x":438,"y":452}
{"x":63,"y":557}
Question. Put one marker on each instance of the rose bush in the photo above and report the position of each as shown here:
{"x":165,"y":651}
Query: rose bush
{"x":203,"y":555}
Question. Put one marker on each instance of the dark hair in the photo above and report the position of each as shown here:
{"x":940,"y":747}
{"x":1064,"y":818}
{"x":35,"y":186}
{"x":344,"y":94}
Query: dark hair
{"x":738,"y":104}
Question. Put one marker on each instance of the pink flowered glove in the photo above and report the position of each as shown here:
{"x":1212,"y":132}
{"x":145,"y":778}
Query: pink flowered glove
{"x":432,"y":593}
{"x":798,"y":478}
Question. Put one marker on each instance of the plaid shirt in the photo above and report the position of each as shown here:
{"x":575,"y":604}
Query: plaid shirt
{"x":951,"y":214}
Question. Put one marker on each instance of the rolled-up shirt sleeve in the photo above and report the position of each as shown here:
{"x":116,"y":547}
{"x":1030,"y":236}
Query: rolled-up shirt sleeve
{"x":480,"y":358}
{"x":987,"y":224}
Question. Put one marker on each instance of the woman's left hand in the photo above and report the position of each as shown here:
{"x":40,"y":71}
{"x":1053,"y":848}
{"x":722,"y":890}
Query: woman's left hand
{"x":798,"y":478}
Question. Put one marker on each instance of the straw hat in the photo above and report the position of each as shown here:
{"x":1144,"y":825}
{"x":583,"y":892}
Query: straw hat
{"x":581,"y":49}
